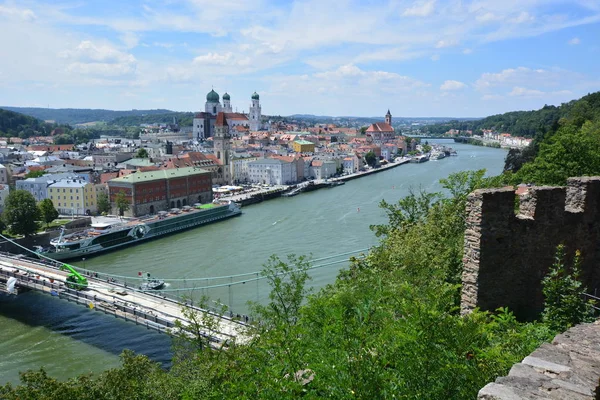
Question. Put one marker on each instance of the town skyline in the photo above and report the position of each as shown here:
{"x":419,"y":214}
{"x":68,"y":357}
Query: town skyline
{"x":416,"y":58}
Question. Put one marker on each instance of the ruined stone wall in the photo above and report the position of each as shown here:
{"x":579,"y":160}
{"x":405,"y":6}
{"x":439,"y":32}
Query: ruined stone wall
{"x":567,"y":368}
{"x":508,"y":253}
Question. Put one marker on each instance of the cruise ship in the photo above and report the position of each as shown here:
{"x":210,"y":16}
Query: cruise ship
{"x":109,"y":233}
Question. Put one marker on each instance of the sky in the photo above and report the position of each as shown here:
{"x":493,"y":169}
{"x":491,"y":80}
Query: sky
{"x":417,"y":58}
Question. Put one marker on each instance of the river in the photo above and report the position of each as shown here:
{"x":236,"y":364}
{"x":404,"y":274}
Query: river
{"x":67,"y":339}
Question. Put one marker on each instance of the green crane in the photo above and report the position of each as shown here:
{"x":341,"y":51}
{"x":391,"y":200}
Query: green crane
{"x":74,"y":280}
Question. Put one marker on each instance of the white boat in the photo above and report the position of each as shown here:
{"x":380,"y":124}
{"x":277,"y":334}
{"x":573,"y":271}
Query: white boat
{"x":111,"y":233}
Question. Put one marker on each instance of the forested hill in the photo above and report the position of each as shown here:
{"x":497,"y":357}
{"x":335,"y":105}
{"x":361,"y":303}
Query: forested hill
{"x":74,"y":116}
{"x":524,"y":123}
{"x":183,"y":119}
{"x":13,"y":123}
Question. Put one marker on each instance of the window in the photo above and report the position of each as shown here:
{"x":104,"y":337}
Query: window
{"x":71,"y":197}
{"x":71,"y":204}
{"x":59,"y":204}
{"x":71,"y":190}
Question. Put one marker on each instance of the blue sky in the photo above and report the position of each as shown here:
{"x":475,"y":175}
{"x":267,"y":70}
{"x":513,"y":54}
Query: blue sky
{"x":463,"y":58}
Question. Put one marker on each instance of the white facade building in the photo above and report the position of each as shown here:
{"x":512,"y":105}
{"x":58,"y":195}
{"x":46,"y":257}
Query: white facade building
{"x":271,"y":172}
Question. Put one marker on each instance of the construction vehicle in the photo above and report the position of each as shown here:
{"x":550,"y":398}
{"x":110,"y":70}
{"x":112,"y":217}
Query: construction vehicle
{"x":74,"y":280}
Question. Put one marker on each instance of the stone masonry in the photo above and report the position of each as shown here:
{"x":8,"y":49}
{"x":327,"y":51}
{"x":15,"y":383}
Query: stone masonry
{"x":569,"y":368}
{"x":507,"y":253}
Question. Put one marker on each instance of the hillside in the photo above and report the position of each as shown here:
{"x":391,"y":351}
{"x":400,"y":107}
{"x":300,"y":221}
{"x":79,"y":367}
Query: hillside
{"x":16,"y":124}
{"x":183,"y":119}
{"x":74,"y":116}
{"x":523,"y":123}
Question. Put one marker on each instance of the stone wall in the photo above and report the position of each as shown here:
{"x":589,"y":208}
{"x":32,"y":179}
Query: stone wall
{"x":569,"y":368}
{"x":507,"y":253}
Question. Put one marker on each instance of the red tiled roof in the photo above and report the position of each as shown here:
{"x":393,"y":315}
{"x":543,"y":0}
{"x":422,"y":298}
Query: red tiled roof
{"x":236,"y":116}
{"x":380,"y":127}
{"x":221,"y":121}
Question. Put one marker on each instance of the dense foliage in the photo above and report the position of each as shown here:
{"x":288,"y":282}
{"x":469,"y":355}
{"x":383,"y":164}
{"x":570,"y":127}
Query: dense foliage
{"x":13,"y":124}
{"x":74,"y":116}
{"x":21,"y":213}
{"x":182,"y":118}
{"x":47,"y":212}
{"x":525,"y":123}
{"x":563,"y":293}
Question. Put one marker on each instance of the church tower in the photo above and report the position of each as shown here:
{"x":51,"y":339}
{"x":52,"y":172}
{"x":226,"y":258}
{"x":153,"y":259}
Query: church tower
{"x":388,"y":118}
{"x":222,"y":145}
{"x":255,"y":114}
{"x":227,"y":103}
{"x":212,"y":105}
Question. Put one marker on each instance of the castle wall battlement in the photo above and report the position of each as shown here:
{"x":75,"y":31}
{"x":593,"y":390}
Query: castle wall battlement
{"x":507,"y":253}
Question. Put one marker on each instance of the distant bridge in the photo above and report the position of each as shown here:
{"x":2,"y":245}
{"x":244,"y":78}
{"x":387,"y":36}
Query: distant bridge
{"x":153,"y":310}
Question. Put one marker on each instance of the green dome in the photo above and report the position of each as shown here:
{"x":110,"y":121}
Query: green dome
{"x":254,"y":96}
{"x":212,"y":97}
{"x":226,"y":96}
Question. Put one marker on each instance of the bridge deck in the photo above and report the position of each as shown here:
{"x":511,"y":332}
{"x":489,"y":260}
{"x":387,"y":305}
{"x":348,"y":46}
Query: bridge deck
{"x":147,"y":308}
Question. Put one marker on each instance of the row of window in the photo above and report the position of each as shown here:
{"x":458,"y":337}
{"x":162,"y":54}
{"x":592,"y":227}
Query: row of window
{"x":65,"y":197}
{"x":65,"y":190}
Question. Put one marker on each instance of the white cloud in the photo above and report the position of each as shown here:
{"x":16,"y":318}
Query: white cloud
{"x":452,"y":85}
{"x":130,"y":39}
{"x":215,"y":59}
{"x":15,"y":13}
{"x":520,"y":91}
{"x":487,"y":17}
{"x":435,"y":57}
{"x":467,"y":51}
{"x":519,"y":76}
{"x":89,"y":58}
{"x":420,"y":9}
{"x":523,"y":17}
{"x":575,"y":41}
{"x":446,"y":43}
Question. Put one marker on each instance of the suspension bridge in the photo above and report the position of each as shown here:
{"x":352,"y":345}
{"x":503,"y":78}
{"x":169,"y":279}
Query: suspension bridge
{"x":162,"y":310}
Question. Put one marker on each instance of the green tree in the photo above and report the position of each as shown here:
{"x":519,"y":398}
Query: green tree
{"x":34,"y":174}
{"x":363,"y":130}
{"x":564,"y":304}
{"x":122,"y":202}
{"x":21,"y":213}
{"x":371,"y":158}
{"x":142,"y":153}
{"x":103,"y":203}
{"x":47,"y":211}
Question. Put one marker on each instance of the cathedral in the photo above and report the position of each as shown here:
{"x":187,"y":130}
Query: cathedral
{"x":204,"y":122}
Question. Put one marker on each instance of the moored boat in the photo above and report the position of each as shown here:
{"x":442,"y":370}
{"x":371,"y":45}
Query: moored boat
{"x":109,"y":233}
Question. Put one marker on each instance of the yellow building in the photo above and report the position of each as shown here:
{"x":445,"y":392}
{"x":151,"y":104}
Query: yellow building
{"x":73,"y":197}
{"x":303,"y":146}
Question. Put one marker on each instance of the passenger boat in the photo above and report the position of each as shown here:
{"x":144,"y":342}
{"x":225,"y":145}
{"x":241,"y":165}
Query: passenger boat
{"x":109,"y":233}
{"x":152,"y":283}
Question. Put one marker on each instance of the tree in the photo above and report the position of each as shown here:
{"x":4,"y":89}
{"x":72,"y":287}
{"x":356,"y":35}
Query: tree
{"x":47,"y":211}
{"x":21,"y":213}
{"x":34,"y":174}
{"x":103,"y":203}
{"x":371,"y":158}
{"x":142,"y":153}
{"x":122,"y":202}
{"x":564,"y":305}
{"x":363,"y":130}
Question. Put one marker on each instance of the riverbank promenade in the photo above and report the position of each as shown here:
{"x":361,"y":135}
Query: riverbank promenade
{"x":258,"y":193}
